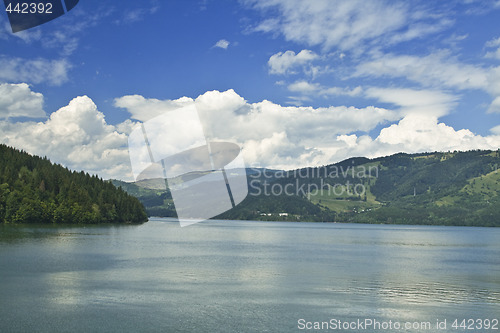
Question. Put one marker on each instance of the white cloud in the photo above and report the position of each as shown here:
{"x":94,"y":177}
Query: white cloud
{"x":347,"y":24}
{"x":480,"y":7}
{"x":344,"y":25}
{"x":308,"y":88}
{"x":494,"y":43}
{"x":493,"y":54}
{"x":438,"y":70}
{"x":63,"y":40}
{"x":341,"y":91}
{"x":414,"y":134}
{"x":55,"y":72}
{"x":223,"y":44}
{"x":228,"y":116}
{"x":132,"y":15}
{"x":435,"y":70}
{"x":17,"y":100}
{"x":298,"y":100}
{"x":143,"y":109}
{"x":493,"y":83}
{"x":76,"y":136}
{"x":28,"y":36}
{"x":289,"y":137}
{"x":304,"y":87}
{"x":284,"y":62}
{"x":423,"y":133}
{"x":410,"y":101}
{"x":495,"y":130}
{"x":369,"y":28}
{"x":65,"y":37}
{"x":420,"y":30}
{"x":4,"y":29}
{"x":495,"y":106}
{"x":270,"y":134}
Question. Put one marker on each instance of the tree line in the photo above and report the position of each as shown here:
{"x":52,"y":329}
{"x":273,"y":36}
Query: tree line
{"x":34,"y":190}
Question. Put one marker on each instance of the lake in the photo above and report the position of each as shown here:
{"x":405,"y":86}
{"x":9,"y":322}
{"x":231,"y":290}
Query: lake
{"x":242,"y":276}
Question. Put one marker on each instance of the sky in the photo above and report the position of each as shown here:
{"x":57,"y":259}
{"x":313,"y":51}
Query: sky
{"x":294,"y":83}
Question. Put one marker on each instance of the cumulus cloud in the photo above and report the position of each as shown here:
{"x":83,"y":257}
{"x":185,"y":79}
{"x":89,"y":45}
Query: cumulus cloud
{"x":270,"y":134}
{"x":284,"y":62}
{"x":414,"y":134}
{"x":55,"y":72}
{"x":143,"y":109}
{"x":17,"y":100}
{"x":223,"y":44}
{"x":424,"y":133}
{"x":276,"y":136}
{"x":419,"y":130}
{"x":76,"y":136}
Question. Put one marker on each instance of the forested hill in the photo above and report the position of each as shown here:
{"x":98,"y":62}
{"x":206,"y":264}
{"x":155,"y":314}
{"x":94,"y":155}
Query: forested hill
{"x":442,"y":188}
{"x":33,"y":190}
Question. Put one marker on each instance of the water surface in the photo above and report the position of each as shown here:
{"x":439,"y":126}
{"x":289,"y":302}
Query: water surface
{"x":239,"y":276}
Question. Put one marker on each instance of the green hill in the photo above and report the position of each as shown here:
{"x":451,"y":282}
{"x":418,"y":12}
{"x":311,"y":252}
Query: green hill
{"x":33,"y":190}
{"x":460,"y":188}
{"x":158,"y":202}
{"x":453,"y":188}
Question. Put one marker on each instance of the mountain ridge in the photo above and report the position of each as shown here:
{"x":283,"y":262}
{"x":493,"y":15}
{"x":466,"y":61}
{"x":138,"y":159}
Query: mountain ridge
{"x":442,"y":188}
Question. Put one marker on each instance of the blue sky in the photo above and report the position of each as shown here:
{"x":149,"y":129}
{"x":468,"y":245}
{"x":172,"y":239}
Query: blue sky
{"x":295,"y":83}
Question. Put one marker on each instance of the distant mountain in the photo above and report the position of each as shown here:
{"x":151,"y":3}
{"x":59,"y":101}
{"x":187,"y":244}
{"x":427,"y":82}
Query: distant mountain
{"x":33,"y":190}
{"x":158,"y":202}
{"x":448,"y":188}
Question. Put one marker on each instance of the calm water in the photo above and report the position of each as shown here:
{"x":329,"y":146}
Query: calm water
{"x":239,"y":276}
